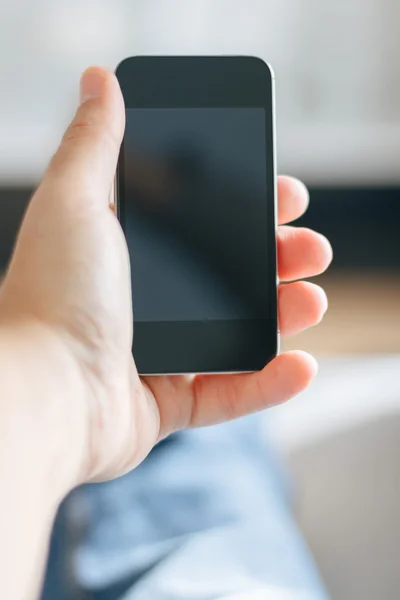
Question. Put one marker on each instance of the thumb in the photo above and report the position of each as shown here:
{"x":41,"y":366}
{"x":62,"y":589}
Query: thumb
{"x":85,"y":163}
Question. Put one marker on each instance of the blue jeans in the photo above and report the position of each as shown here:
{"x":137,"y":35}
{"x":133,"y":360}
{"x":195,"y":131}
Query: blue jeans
{"x":206,"y":516}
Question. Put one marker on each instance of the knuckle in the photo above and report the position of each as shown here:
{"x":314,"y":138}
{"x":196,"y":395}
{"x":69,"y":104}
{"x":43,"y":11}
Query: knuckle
{"x":78,"y":130}
{"x":94,"y":128}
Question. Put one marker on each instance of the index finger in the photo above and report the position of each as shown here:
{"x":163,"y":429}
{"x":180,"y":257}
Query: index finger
{"x":293,"y":199}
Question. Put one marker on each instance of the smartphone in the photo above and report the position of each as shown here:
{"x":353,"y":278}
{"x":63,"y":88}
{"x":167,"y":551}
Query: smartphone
{"x":196,"y":197}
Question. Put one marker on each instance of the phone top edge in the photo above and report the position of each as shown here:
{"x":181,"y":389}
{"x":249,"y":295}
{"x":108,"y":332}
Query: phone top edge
{"x":251,"y":57}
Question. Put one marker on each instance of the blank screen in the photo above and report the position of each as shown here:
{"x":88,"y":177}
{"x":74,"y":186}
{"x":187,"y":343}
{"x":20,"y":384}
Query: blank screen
{"x":196,"y":213}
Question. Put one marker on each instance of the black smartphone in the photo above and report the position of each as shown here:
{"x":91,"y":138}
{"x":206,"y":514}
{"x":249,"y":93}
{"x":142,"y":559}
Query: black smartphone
{"x":196,"y":197}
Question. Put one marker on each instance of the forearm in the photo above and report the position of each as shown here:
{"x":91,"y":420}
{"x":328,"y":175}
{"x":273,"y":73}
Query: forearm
{"x":38,"y":463}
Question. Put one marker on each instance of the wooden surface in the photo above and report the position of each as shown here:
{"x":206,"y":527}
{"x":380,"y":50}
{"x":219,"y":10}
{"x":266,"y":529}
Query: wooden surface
{"x":363,"y":316}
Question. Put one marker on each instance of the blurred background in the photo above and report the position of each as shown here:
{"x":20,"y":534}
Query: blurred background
{"x":338,"y":109}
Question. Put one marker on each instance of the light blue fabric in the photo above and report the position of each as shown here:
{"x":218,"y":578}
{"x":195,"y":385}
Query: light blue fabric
{"x":206,"y":516}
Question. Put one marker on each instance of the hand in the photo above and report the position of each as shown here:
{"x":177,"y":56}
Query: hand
{"x":67,"y":296}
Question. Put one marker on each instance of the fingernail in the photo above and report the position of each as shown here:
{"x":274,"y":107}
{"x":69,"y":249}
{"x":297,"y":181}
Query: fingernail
{"x":92,"y":84}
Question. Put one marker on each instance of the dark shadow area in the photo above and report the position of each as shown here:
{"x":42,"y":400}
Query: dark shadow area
{"x":13,"y":203}
{"x":362,"y":224}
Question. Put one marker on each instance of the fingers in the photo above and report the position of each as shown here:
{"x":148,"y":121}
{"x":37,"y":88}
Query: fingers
{"x":293,"y":199}
{"x":209,"y":399}
{"x":301,"y":253}
{"x":301,"y":305}
{"x":220,"y":398}
{"x":87,"y":157}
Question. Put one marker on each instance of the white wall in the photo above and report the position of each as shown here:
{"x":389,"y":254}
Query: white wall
{"x":337,"y":67}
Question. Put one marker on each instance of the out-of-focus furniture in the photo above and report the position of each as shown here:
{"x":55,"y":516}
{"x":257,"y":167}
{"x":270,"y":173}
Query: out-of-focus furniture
{"x":342,"y":442}
{"x":363,"y":316}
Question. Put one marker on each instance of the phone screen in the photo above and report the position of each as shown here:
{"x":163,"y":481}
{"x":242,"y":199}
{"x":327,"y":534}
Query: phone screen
{"x":196,"y":218}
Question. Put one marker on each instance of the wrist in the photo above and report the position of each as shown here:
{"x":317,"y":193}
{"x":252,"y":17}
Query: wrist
{"x":41,"y":408}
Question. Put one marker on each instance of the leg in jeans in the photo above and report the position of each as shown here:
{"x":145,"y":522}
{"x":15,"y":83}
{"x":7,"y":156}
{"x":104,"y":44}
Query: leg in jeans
{"x":206,"y":516}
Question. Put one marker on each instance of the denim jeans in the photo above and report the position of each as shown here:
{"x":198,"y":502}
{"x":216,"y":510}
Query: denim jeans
{"x":207,"y":516}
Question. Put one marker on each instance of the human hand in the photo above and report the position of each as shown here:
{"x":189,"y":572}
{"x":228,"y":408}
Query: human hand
{"x":67,"y":293}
